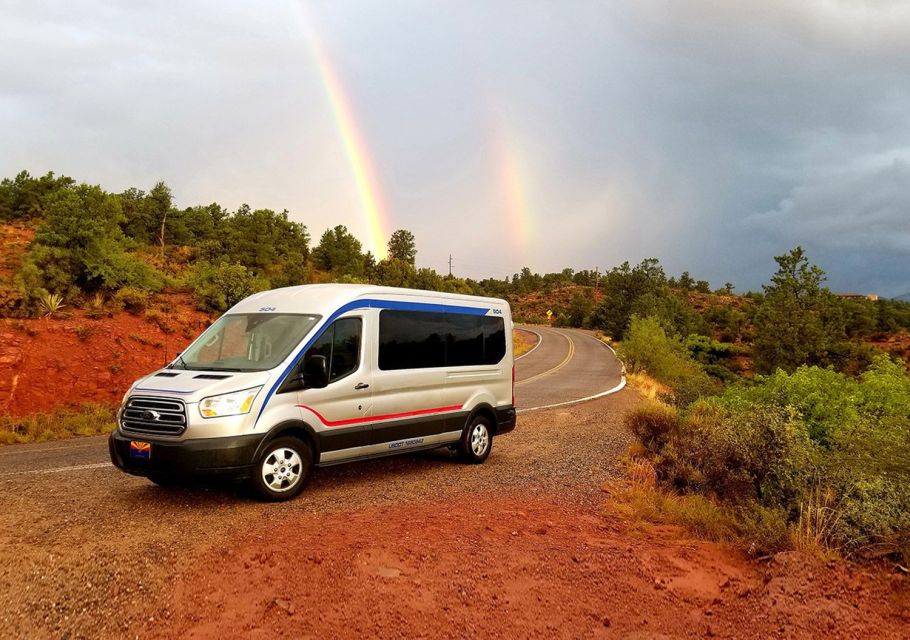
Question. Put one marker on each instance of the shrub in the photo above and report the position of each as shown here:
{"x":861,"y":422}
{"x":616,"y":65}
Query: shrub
{"x":742,"y":454}
{"x":220,"y":286}
{"x":821,"y":455}
{"x":82,"y":332}
{"x":132,"y":299}
{"x":648,"y":348}
{"x":50,"y":303}
{"x":80,"y":246}
{"x":13,"y":302}
{"x":652,"y":423}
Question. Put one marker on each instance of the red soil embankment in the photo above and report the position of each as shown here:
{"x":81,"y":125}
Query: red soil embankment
{"x":65,"y":362}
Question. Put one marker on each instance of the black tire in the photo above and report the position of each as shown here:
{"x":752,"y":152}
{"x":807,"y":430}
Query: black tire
{"x":276,"y":482}
{"x":476,"y":441}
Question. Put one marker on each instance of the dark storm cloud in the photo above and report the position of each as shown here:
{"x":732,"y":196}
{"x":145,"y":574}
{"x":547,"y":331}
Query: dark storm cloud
{"x":711,"y":134}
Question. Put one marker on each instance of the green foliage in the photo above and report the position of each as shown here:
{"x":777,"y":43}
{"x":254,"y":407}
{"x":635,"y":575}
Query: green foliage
{"x":13,"y":302}
{"x":579,"y":311}
{"x":339,"y":252}
{"x":393,"y":272}
{"x":799,"y":321}
{"x":402,"y":246}
{"x":132,"y":299}
{"x":827,"y":453}
{"x":80,"y":246}
{"x":23,"y":197}
{"x":624,"y":287}
{"x":50,"y":303}
{"x":727,"y":322}
{"x":709,"y":351}
{"x":267,"y":243}
{"x":649,"y":349}
{"x":220,"y":286}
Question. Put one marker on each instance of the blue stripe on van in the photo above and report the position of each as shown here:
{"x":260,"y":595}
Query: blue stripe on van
{"x":368,"y":304}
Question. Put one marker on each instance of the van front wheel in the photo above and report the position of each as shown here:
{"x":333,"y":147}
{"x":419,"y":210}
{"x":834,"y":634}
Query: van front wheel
{"x":476,"y":441}
{"x":282,"y":469}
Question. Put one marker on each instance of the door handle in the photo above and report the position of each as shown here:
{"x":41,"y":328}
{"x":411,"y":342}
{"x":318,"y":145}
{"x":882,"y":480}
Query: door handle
{"x":361,"y":385}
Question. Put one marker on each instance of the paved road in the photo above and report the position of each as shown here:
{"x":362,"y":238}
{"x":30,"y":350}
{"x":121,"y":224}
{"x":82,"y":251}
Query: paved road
{"x":565,"y":366}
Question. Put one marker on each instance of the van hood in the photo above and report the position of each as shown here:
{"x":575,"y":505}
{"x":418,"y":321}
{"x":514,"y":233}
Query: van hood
{"x":192,"y":386}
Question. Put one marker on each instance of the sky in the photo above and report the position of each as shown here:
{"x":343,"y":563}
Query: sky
{"x":713,"y":135}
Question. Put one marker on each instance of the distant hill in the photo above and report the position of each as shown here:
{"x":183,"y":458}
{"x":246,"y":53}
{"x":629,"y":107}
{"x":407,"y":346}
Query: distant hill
{"x":903,"y":298}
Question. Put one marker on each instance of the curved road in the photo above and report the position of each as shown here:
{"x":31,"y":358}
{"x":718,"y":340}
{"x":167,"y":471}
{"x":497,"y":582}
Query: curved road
{"x":567,"y":365}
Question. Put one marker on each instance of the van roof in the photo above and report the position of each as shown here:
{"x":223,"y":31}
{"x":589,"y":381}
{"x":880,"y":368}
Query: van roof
{"x":325,"y":298}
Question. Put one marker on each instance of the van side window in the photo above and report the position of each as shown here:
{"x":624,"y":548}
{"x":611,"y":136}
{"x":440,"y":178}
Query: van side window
{"x":345,"y":348}
{"x":494,"y":339}
{"x":411,"y":339}
{"x":340,"y":344}
{"x":422,"y":339}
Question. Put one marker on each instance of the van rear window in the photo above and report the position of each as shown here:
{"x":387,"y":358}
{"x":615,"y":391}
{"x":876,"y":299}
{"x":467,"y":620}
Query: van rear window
{"x":425,"y":339}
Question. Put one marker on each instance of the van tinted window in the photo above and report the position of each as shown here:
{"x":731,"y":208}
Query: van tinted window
{"x":411,"y":339}
{"x":494,"y":338}
{"x":464,"y":344}
{"x":345,"y":348}
{"x":422,"y":339}
{"x":340,"y":344}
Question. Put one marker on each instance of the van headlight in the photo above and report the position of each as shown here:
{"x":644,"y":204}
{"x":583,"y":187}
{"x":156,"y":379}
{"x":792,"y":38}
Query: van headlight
{"x":228,"y":404}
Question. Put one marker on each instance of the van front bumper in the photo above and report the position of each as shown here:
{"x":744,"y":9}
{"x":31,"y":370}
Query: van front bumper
{"x":231,"y":456}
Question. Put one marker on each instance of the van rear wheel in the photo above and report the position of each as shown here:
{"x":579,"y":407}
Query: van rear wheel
{"x":282,"y":469}
{"x":476,"y":441}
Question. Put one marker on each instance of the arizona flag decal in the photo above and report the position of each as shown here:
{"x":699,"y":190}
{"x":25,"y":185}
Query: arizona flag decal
{"x":140,"y":449}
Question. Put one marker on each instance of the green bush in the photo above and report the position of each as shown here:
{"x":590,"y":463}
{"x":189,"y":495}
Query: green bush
{"x":653,"y":423}
{"x":219,"y":287}
{"x":132,"y":299}
{"x":81,"y":247}
{"x":649,"y":349}
{"x":826,"y":454}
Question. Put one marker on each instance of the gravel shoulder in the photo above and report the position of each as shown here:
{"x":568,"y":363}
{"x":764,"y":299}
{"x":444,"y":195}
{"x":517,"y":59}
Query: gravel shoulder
{"x":96,"y":555}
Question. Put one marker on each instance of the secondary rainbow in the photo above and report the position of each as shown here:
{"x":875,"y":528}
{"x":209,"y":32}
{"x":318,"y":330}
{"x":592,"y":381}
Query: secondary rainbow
{"x":512,"y":184}
{"x":356,"y":150}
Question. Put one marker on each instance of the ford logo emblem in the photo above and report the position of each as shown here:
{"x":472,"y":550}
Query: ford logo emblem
{"x":148,"y":414}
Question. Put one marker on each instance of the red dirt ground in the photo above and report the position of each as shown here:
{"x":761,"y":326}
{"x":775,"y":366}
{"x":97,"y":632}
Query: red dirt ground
{"x":65,"y":362}
{"x":516,"y":567}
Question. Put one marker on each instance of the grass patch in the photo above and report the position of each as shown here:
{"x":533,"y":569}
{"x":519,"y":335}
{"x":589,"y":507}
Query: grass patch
{"x":522,"y":342}
{"x":89,"y":420}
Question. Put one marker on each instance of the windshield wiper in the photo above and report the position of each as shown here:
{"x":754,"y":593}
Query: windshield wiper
{"x":179,"y":359}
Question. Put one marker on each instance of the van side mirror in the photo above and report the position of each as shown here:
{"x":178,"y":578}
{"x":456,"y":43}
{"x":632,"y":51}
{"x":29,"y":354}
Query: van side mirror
{"x":315,"y":372}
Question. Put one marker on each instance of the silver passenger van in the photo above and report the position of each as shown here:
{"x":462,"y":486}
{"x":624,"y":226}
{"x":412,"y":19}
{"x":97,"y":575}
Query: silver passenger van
{"x":323,"y":374}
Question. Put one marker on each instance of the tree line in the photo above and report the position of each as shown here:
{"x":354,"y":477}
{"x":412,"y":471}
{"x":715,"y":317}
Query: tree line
{"x":91,"y":242}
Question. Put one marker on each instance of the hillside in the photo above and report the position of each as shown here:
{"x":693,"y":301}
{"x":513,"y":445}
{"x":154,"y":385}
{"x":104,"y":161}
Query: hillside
{"x":75,"y":358}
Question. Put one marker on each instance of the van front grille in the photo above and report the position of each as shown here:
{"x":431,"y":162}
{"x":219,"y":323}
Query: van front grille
{"x":154,"y":416}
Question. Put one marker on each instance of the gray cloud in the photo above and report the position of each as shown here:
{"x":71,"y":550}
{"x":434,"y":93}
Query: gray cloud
{"x":711,"y":134}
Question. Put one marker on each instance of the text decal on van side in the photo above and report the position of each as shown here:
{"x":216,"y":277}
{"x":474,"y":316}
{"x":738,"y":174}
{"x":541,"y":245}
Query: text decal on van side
{"x":405,"y":443}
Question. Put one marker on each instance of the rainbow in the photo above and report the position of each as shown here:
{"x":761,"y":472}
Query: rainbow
{"x":355,"y":147}
{"x":513,"y":186}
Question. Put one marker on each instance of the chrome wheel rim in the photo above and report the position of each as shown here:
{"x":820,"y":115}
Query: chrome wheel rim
{"x":281,"y":469}
{"x":480,"y":439}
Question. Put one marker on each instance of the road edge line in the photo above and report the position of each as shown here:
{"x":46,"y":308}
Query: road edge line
{"x":617,"y":388}
{"x":539,"y":340}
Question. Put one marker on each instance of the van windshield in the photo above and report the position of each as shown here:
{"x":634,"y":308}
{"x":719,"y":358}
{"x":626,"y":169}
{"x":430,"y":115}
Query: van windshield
{"x":246,"y":342}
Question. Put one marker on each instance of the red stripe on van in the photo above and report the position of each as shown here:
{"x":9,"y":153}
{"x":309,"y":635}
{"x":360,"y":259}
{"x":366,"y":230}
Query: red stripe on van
{"x":407,"y":414}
